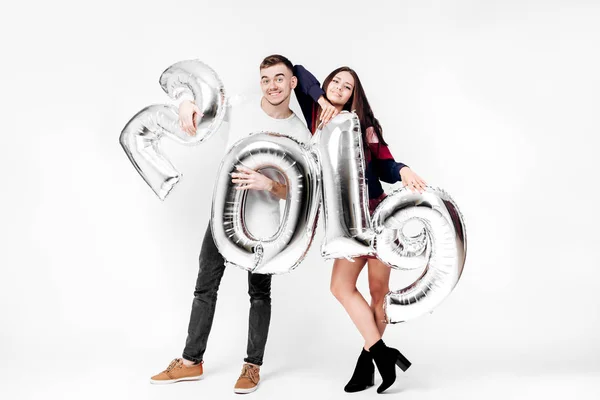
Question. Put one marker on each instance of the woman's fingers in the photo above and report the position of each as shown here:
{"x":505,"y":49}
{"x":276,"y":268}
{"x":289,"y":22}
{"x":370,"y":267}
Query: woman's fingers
{"x":330,"y":113}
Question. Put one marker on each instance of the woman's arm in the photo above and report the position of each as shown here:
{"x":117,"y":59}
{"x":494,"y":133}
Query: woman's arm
{"x":308,"y":92}
{"x":307,"y":83}
{"x":387,"y":169}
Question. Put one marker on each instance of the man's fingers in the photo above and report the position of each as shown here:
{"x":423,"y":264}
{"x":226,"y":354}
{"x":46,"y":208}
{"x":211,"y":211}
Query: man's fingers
{"x":244,"y":187}
{"x":196,"y":120}
{"x":187,"y":124}
{"x":247,"y":170}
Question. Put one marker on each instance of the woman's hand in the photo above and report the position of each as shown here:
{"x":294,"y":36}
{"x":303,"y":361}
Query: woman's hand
{"x":189,"y":116}
{"x":411,"y":180}
{"x":250,"y":179}
{"x":328,"y":111}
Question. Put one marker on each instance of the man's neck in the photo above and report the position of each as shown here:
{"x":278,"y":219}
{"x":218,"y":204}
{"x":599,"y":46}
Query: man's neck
{"x":280,"y":111}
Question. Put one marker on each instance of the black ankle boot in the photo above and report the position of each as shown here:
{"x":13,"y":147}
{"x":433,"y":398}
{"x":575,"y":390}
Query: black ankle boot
{"x":386,"y":359}
{"x":363,"y":375}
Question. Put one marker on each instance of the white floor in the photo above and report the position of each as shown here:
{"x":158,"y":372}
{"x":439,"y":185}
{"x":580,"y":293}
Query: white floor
{"x":300,"y":379}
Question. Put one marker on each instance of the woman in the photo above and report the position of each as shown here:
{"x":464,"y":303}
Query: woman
{"x":342,"y":90}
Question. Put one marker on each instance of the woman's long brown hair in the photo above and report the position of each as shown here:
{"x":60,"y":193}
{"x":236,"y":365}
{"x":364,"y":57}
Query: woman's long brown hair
{"x":358,"y":103}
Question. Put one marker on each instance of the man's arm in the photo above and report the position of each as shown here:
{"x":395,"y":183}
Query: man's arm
{"x":250,"y":179}
{"x":189,"y":116}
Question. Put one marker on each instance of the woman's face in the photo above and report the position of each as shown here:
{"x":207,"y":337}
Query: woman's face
{"x":340,"y":88}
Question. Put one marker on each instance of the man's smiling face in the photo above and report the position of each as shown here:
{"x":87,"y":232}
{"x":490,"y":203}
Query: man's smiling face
{"x":277,"y":83}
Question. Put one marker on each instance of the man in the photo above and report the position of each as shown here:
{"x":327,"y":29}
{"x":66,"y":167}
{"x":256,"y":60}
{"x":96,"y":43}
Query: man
{"x":271,"y":114}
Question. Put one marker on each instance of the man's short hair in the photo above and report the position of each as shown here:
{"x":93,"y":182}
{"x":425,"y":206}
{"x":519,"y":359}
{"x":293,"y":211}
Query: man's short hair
{"x":275,"y":59}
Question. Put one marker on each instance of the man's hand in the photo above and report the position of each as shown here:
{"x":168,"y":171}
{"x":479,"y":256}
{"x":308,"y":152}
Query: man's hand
{"x":328,"y":111}
{"x":411,"y":180}
{"x":189,"y":116}
{"x":249,"y":179}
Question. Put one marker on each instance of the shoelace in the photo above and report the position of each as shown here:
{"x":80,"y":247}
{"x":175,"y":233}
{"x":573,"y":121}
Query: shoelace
{"x":250,"y":372}
{"x":173,"y":364}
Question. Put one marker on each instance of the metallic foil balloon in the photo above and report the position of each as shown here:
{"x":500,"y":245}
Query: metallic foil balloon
{"x":420,"y":231}
{"x":283,"y":251}
{"x":141,"y":136}
{"x":338,"y":147}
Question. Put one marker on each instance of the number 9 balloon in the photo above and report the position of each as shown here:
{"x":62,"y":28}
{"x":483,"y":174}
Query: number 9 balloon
{"x":420,"y":231}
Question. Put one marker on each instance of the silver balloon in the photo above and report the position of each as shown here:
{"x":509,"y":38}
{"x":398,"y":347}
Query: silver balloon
{"x":141,"y":136}
{"x":283,"y":251}
{"x":338,"y":147}
{"x":420,"y":231}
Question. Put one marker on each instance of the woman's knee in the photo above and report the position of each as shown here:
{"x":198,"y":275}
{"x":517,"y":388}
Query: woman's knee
{"x":340,"y":291}
{"x":378,"y":293}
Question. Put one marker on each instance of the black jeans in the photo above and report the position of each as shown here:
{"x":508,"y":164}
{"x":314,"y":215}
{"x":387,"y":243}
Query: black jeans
{"x":212,"y":266}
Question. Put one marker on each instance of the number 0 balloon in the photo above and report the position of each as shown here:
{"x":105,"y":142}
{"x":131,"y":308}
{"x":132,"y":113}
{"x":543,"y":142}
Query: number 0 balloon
{"x":287,"y":248}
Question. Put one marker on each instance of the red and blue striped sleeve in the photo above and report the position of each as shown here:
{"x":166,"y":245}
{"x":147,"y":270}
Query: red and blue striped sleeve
{"x":386,"y":167}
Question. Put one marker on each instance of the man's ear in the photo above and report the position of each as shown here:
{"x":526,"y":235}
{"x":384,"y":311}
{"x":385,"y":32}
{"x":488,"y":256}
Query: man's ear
{"x":294,"y":82}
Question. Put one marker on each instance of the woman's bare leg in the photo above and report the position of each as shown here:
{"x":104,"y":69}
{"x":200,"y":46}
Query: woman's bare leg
{"x":343,"y":286}
{"x":379,"y":286}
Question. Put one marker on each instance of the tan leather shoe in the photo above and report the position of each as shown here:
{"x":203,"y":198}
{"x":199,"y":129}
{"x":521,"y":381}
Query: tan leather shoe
{"x":177,"y":371}
{"x":248,"y":380}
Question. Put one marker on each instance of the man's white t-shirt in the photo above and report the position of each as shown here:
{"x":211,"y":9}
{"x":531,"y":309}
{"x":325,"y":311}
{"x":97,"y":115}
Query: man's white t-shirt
{"x":262,"y":208}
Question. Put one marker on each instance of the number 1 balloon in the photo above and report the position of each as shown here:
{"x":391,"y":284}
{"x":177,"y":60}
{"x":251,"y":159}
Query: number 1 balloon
{"x":338,"y":147}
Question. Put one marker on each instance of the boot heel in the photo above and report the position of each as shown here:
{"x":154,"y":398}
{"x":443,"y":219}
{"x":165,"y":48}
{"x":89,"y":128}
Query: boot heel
{"x":372,"y":379}
{"x":402,"y":362}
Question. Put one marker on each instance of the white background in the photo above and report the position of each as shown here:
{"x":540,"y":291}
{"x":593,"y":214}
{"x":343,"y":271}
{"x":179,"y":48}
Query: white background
{"x":497,"y":102}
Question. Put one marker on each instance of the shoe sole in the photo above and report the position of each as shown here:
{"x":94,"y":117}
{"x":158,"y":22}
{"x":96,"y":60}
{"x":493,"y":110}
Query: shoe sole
{"x":187,"y":378}
{"x":245,"y":391}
